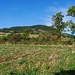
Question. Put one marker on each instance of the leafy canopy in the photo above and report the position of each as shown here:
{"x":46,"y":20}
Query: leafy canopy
{"x":58,"y":23}
{"x":71,"y":11}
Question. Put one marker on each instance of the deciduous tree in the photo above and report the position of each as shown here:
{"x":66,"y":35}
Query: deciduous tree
{"x":58,"y":24}
{"x":71,"y":12}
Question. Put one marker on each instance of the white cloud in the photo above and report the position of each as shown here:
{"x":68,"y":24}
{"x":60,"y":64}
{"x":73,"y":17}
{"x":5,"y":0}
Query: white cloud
{"x":47,"y":20}
{"x":53,"y":11}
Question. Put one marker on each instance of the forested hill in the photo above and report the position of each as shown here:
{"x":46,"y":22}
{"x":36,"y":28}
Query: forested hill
{"x":32,"y":29}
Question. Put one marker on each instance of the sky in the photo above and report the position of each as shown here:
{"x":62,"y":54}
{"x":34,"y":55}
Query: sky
{"x":31,"y":12}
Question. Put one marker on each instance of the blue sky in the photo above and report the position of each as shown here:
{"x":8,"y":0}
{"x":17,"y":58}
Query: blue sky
{"x":31,"y":12}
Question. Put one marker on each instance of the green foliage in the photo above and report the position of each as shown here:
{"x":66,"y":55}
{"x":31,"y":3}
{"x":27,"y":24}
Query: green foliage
{"x":71,"y":11}
{"x":4,"y":38}
{"x":14,"y":38}
{"x":71,"y":25}
{"x":26,"y":34}
{"x":58,"y":23}
{"x":43,"y":38}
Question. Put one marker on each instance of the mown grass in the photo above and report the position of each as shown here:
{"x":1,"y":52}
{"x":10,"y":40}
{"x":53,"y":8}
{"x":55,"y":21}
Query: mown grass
{"x":43,"y":59}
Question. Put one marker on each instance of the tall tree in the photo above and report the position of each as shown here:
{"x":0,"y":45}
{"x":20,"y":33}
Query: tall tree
{"x":58,"y":23}
{"x":71,"y":12}
{"x":71,"y":26}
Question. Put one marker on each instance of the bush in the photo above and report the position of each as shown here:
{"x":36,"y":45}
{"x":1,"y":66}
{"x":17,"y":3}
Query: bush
{"x":14,"y":38}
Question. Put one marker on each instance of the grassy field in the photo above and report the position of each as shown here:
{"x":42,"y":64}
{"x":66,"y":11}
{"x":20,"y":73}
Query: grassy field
{"x":48,"y":59}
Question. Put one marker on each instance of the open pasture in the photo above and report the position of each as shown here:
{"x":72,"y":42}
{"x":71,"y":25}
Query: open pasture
{"x":48,"y":59}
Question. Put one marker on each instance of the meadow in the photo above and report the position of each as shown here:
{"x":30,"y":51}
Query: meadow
{"x":36,"y":59}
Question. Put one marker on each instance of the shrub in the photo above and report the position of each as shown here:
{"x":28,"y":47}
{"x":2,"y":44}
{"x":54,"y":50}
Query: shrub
{"x":14,"y":38}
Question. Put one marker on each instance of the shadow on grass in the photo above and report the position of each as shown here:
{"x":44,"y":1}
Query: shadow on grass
{"x":68,"y":72}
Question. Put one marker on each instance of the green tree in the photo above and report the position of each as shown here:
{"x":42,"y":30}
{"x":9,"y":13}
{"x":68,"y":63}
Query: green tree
{"x":71,"y":12}
{"x":71,"y":26}
{"x":58,"y":24}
